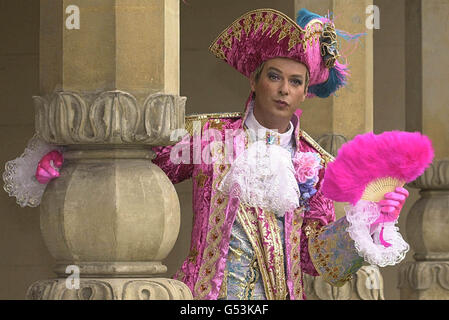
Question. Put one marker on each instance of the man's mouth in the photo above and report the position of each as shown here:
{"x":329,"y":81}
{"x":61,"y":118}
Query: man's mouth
{"x":281,"y":103}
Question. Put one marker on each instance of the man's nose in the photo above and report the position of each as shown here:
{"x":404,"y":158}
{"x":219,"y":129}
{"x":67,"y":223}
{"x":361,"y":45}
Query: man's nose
{"x":283,"y":88}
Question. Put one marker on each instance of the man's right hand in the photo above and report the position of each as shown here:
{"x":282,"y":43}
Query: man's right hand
{"x":48,"y":167}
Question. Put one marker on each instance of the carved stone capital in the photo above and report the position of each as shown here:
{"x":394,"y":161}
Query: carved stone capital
{"x":111,"y":117}
{"x":424,"y":280}
{"x":436,"y":177}
{"x":367,"y":284}
{"x":332,"y":142}
{"x":109,"y":289}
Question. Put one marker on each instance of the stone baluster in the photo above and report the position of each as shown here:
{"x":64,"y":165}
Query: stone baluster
{"x":427,"y":100}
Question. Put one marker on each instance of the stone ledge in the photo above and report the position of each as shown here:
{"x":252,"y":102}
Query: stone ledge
{"x":110,"y":289}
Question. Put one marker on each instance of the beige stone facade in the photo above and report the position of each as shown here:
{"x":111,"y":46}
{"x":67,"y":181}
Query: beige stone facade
{"x":399,"y":82}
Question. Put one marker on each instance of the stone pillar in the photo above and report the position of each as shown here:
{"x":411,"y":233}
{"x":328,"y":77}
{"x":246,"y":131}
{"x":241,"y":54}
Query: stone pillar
{"x":427,"y":100}
{"x":337,"y":119}
{"x":109,"y":91}
{"x":350,"y":112}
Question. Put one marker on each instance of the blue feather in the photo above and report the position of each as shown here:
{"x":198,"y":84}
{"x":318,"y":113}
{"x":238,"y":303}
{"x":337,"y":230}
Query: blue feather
{"x":348,"y":36}
{"x":304,"y":16}
{"x":336,"y":78}
{"x":333,"y":83}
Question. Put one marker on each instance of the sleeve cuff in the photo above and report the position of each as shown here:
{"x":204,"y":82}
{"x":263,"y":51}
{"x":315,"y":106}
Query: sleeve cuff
{"x":367,"y":241}
{"x":333,"y":254}
{"x":19,"y":174}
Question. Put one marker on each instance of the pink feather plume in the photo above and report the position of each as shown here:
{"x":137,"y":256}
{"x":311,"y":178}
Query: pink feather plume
{"x":398,"y":154}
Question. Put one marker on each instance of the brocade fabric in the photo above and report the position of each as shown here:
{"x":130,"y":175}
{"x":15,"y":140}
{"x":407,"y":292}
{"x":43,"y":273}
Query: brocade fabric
{"x":203,"y":271}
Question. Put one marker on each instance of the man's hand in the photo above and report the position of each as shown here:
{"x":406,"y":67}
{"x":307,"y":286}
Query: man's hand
{"x":48,"y":167}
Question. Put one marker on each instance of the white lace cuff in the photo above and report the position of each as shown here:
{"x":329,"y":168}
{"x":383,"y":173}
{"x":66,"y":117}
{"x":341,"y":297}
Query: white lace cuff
{"x":19,"y":175}
{"x":367,"y":243}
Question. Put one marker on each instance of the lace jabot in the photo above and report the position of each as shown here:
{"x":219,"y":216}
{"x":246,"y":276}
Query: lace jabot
{"x":263,"y":173}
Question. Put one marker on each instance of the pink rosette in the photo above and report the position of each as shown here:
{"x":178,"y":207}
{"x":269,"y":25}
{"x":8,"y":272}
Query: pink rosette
{"x":307,"y":165}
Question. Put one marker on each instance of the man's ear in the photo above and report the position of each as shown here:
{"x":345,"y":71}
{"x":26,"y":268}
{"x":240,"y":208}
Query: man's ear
{"x":306,"y":90}
{"x":252,"y":82}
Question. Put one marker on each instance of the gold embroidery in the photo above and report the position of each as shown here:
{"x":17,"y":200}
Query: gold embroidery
{"x":276,"y":26}
{"x":237,"y":30}
{"x":226,"y":40}
{"x":329,"y":45}
{"x":311,"y":228}
{"x":325,"y":253}
{"x":295,"y":241}
{"x":200,"y":179}
{"x":257,"y":21}
{"x":204,"y":117}
{"x":294,"y":39}
{"x":214,"y":235}
{"x":216,"y":124}
{"x":254,"y":277}
{"x":224,"y":286}
{"x":324,"y":154}
{"x":284,"y":31}
{"x":282,"y":21}
{"x":314,"y":245}
{"x":217,"y":50}
{"x":261,"y":227}
{"x":193,"y":255}
{"x":267,"y":22}
{"x":247,"y":23}
{"x":237,"y":253}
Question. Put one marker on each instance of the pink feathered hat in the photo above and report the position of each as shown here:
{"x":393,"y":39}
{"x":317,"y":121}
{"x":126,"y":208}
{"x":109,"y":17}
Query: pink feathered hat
{"x":263,"y":34}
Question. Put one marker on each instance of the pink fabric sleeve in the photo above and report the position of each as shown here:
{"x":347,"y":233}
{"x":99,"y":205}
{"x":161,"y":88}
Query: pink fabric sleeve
{"x":176,"y":172}
{"x":321,"y":209}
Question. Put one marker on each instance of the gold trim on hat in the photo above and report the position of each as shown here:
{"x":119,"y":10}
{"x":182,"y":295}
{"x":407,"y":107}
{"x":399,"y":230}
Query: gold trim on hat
{"x":253,"y":20}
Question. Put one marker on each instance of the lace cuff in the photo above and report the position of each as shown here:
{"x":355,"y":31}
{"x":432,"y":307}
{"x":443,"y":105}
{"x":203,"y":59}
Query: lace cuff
{"x":367,"y":243}
{"x":19,"y":175}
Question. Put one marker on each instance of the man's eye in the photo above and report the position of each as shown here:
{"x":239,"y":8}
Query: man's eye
{"x":273,"y":76}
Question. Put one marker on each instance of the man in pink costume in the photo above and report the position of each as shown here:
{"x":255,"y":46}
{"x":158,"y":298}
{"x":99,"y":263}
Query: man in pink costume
{"x":260,"y":218}
{"x":285,"y":61}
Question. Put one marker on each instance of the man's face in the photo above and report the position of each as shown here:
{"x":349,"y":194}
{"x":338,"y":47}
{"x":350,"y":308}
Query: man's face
{"x":280,"y":89}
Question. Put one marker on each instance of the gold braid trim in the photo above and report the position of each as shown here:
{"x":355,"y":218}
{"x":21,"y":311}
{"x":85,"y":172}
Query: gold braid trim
{"x":211,"y":253}
{"x":273,"y":280}
{"x":205,"y":117}
{"x":295,"y":241}
{"x":252,"y":20}
{"x":327,"y":157}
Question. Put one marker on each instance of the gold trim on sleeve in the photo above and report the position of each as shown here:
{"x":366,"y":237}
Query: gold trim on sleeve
{"x":295,"y":254}
{"x":205,"y":117}
{"x":327,"y":157}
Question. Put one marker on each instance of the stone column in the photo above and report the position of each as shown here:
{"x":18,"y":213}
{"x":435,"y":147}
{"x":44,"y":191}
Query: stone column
{"x":427,"y":100}
{"x":337,"y":119}
{"x":109,"y":91}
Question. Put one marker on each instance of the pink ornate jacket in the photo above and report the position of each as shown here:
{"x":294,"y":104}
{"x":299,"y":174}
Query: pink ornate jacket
{"x":314,"y":243}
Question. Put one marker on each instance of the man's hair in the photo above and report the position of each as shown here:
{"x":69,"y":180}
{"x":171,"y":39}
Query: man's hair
{"x":259,"y":69}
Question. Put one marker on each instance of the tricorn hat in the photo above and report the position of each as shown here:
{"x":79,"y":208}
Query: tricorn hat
{"x":263,"y":34}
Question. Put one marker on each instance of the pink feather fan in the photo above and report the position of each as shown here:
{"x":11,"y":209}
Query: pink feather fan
{"x":371,"y":165}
